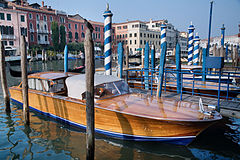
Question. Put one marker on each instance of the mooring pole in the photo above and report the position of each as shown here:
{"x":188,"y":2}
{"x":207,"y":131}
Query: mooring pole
{"x":142,"y":57}
{"x":204,"y":55}
{"x":146,"y":66}
{"x":226,"y":52}
{"x":209,"y":30}
{"x":4,"y":78}
{"x":127,"y":57}
{"x":107,"y":40}
{"x":89,"y":61}
{"x":178,"y":67}
{"x":200,"y":56}
{"x":161,"y":69}
{"x":153,"y":57}
{"x":190,"y":43}
{"x":120,"y":59}
{"x":24,"y":81}
{"x":66,"y":59}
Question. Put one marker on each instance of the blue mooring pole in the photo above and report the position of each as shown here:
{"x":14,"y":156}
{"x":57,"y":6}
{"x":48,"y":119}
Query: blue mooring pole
{"x":178,"y":67}
{"x":209,"y":30}
{"x":146,"y":66}
{"x":120,"y":59}
{"x":222,"y":35}
{"x":204,"y":55}
{"x":161,"y":69}
{"x":153,"y":57}
{"x":66,"y":59}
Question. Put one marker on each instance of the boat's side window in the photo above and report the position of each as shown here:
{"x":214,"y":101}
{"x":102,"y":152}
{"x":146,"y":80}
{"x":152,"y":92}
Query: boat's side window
{"x":45,"y":85}
{"x":32,"y":83}
{"x":57,"y":86}
{"x":39,"y":85}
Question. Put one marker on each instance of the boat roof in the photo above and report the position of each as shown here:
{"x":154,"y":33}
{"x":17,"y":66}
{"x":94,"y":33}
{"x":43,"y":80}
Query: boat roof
{"x":76,"y":84}
{"x":51,"y":75}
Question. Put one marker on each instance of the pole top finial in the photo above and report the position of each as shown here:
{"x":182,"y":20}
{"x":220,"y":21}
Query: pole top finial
{"x":107,"y":7}
{"x":223,"y":28}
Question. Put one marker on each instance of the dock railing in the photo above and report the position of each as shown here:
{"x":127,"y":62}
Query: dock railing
{"x":218,"y":84}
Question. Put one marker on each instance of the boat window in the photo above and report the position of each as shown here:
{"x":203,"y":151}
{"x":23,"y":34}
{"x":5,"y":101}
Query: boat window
{"x":122,"y":86}
{"x":38,"y":85}
{"x":57,"y":86}
{"x":31,"y":83}
{"x":42,"y":85}
{"x":111,"y":89}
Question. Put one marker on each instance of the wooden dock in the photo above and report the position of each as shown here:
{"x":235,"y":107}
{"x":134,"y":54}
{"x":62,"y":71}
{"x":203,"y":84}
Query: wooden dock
{"x":230,"y":108}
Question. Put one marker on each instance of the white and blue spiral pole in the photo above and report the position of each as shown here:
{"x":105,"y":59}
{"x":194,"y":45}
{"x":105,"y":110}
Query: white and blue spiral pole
{"x":163,"y":34}
{"x":190,"y":44}
{"x":107,"y":40}
{"x":196,"y":50}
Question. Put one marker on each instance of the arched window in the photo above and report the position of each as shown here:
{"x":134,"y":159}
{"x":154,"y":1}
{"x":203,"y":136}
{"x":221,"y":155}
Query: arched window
{"x":76,"y":35}
{"x":30,"y":25}
{"x":70,"y":35}
{"x":83,"y":35}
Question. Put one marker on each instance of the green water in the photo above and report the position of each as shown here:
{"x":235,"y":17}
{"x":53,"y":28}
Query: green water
{"x":48,"y":139}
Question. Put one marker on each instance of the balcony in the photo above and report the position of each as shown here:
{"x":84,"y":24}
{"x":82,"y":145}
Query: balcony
{"x":43,"y":42}
{"x":7,"y":37}
{"x":42,"y":31}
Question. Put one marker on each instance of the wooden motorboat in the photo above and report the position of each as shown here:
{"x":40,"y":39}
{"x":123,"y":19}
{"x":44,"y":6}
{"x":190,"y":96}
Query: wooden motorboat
{"x":119,"y":113}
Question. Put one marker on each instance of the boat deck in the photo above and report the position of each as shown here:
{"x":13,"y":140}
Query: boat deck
{"x":229,"y":108}
{"x":169,"y":109}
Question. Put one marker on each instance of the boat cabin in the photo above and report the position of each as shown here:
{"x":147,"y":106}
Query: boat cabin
{"x":49,"y":82}
{"x":73,"y":85}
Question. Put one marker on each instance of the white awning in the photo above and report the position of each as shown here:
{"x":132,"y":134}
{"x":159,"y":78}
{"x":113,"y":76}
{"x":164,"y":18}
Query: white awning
{"x":76,"y":85}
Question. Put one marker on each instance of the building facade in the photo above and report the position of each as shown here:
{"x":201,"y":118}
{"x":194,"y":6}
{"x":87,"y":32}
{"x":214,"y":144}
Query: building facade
{"x":13,"y":24}
{"x":135,"y":34}
{"x":40,"y":17}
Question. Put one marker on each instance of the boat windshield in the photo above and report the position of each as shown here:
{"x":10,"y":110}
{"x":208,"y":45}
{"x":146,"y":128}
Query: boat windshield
{"x":111,"y":89}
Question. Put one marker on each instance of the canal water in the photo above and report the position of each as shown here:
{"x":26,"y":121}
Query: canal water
{"x":49,"y":139}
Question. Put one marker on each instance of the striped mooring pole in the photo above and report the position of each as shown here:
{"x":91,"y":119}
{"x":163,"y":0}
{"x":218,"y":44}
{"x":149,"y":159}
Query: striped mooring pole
{"x":107,"y":40}
{"x":196,"y":50}
{"x":190,"y":44}
{"x":163,"y":34}
{"x":222,"y":35}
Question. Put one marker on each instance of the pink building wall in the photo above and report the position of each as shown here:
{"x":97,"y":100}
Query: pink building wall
{"x":16,"y":23}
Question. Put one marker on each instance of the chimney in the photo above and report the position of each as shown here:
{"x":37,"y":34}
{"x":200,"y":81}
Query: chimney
{"x":42,"y":3}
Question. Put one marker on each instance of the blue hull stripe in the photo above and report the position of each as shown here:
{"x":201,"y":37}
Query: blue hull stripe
{"x":185,"y":140}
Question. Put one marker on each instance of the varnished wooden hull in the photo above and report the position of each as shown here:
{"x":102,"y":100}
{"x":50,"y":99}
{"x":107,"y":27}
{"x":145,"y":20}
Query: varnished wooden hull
{"x":113,"y":123}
